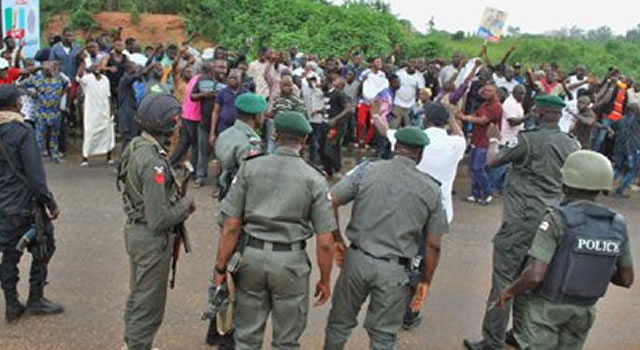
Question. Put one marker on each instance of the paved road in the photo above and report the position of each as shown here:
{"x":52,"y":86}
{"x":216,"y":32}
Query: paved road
{"x":89,"y":274}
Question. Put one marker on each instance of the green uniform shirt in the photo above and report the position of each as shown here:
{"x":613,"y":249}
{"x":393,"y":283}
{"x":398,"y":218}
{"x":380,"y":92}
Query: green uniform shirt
{"x":280,"y":198}
{"x":395,"y":206}
{"x":549,"y":235}
{"x":150,"y":193}
{"x":534,"y":182}
{"x":234,"y":145}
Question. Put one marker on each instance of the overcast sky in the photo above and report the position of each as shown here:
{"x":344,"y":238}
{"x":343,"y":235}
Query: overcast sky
{"x":532,"y":17}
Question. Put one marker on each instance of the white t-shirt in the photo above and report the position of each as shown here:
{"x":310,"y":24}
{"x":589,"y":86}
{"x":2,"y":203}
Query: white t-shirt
{"x":501,"y":82}
{"x":566,"y":121}
{"x":440,"y":159}
{"x":409,"y":85}
{"x":373,"y":84}
{"x":574,"y":92}
{"x":511,"y":109}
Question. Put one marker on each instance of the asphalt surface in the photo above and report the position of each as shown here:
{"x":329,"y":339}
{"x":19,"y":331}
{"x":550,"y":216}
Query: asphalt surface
{"x":89,"y":275}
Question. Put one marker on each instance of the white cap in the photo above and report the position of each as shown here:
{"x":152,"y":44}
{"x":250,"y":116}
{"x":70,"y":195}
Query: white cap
{"x":208,"y":54}
{"x":4,"y":64}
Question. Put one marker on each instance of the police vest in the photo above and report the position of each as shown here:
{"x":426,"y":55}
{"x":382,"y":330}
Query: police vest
{"x":585,"y":260}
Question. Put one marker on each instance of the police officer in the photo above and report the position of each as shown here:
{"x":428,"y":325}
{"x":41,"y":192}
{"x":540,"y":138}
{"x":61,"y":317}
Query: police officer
{"x":395,"y":207}
{"x":23,"y":190}
{"x":240,"y":140}
{"x":153,"y":209}
{"x":578,"y":249}
{"x":232,"y":147}
{"x":278,"y":201}
{"x":532,"y":185}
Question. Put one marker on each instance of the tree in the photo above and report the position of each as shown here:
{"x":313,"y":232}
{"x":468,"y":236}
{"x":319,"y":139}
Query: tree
{"x":633,"y":35}
{"x":513,"y":31}
{"x":458,"y":36}
{"x":602,"y":34}
{"x":576,"y":33}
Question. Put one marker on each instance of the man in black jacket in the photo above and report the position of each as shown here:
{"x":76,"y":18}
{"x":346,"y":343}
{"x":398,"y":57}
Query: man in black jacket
{"x":23,"y":189}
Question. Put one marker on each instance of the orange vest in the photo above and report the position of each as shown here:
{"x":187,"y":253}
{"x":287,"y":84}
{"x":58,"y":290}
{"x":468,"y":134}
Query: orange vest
{"x":618,"y":105}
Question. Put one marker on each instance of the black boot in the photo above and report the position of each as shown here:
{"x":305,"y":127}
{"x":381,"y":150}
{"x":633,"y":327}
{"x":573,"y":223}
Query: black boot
{"x":478,"y":345}
{"x":14,"y":309}
{"x":39,"y":305}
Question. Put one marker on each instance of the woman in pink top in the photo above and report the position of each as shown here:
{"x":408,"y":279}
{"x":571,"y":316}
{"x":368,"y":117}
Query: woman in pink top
{"x":191,"y":115}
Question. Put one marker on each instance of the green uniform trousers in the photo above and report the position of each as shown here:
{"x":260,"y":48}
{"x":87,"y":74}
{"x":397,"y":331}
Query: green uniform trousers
{"x":386,"y":283}
{"x":510,"y":248}
{"x":552,"y":326}
{"x":150,"y":262}
{"x":274,"y":283}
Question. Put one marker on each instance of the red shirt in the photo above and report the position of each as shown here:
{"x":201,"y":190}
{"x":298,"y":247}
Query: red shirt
{"x":493,"y":111}
{"x":12,"y":75}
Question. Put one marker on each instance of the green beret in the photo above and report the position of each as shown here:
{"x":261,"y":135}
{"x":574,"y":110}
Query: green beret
{"x":292,"y":123}
{"x":251,"y":103}
{"x":550,"y":101}
{"x":412,"y":136}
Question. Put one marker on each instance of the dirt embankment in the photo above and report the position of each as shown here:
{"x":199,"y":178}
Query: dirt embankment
{"x":151,"y":29}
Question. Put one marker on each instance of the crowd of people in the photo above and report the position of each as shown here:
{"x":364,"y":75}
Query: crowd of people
{"x":518,"y":127}
{"x":335,"y":93}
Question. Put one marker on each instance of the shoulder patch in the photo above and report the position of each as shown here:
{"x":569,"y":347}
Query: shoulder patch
{"x":159,"y":176}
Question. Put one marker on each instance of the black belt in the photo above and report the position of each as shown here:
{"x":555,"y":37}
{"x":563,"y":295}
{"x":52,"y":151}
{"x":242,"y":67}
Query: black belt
{"x":406,"y":262}
{"x":276,"y":246}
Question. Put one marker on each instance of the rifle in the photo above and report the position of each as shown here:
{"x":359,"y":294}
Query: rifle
{"x":182,"y":237}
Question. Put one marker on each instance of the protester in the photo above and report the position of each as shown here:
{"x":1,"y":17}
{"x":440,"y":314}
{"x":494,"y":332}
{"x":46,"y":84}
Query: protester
{"x":99,"y":136}
{"x":205,"y":91}
{"x":489,"y":113}
{"x":411,"y":81}
{"x":373,"y":82}
{"x":49,"y":87}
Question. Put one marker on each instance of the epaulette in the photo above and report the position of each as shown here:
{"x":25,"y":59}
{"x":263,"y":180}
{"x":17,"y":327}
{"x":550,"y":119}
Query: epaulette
{"x":535,"y":128}
{"x":254,"y":156}
{"x":315,"y":167}
{"x":434,"y":180}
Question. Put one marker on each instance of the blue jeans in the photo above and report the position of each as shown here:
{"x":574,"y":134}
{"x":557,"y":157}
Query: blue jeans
{"x":600,"y":134}
{"x":496,"y":178}
{"x":633,"y":160}
{"x":479,"y":177}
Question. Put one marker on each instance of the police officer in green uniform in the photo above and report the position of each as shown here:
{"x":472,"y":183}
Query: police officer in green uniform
{"x":579,"y":248}
{"x":240,"y":140}
{"x":232,"y":147}
{"x":532,"y":184}
{"x":278,"y":201}
{"x":395,"y":207}
{"x":153,"y":209}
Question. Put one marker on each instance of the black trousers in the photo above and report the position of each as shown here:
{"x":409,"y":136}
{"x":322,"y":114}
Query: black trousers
{"x":11,"y":230}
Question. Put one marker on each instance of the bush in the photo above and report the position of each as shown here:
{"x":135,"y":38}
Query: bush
{"x":81,"y":19}
{"x":134,"y":13}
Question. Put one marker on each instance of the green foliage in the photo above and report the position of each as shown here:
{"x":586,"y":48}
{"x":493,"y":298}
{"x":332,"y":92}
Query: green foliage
{"x":81,"y":18}
{"x":134,"y":13}
{"x":317,"y":27}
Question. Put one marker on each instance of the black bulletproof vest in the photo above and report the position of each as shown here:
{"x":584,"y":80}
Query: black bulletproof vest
{"x":585,"y":260}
